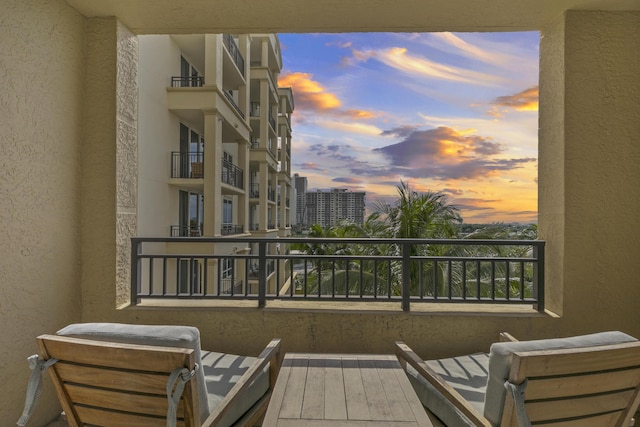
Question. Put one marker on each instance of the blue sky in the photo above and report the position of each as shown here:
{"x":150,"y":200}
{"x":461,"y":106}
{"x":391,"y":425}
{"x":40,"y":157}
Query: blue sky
{"x":450,"y":112}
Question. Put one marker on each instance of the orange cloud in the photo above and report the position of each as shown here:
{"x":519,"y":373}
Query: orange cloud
{"x":312,"y":96}
{"x":527,"y":100}
{"x":309,"y":93}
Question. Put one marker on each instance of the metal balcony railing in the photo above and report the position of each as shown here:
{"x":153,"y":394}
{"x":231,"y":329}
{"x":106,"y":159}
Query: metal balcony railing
{"x":233,"y":103}
{"x":254,"y":190}
{"x":185,"y":231}
{"x":187,"y":165}
{"x":402,"y":271}
{"x":232,"y":175}
{"x":188,"y":81}
{"x":231,"y":229}
{"x":233,"y":50}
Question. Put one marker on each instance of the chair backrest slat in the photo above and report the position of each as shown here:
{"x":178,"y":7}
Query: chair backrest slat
{"x":96,"y":416}
{"x":96,"y":377}
{"x":594,"y":386}
{"x":122,"y":383}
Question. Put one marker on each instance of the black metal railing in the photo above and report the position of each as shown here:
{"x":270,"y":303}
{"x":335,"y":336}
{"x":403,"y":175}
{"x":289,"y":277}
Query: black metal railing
{"x":254,"y":190}
{"x":185,"y":231}
{"x":233,"y":50}
{"x":187,"y":165}
{"x":231,"y":229}
{"x":232,"y":174}
{"x":403,"y":271}
{"x":233,"y":103}
{"x":187,"y":81}
{"x":272,"y":121}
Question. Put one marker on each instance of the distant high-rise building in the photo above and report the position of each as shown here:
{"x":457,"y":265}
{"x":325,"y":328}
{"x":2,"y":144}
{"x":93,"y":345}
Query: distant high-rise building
{"x":329,"y":207}
{"x":300,"y":185}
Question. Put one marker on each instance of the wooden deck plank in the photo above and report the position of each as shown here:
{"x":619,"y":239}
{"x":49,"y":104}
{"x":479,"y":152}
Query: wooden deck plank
{"x":395,"y":394}
{"x":313,"y":401}
{"x":291,"y":406}
{"x":344,"y":390}
{"x":335,"y":401}
{"x":374,"y":390}
{"x":356,"y":398}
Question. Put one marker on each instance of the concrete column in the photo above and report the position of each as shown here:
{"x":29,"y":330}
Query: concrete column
{"x":244,"y":44}
{"x":588,"y":174}
{"x":212,"y":174}
{"x":243,"y":199}
{"x":263,"y":205}
{"x":213,"y":60}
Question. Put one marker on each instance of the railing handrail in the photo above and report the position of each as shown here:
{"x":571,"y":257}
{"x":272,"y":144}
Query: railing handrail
{"x":401,"y":275}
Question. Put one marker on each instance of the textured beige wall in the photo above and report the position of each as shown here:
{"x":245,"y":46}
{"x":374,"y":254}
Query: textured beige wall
{"x":41,"y":51}
{"x":602,"y":170}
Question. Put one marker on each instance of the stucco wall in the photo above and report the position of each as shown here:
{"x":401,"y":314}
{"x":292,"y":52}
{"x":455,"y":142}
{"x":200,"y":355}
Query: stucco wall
{"x":41,"y":58}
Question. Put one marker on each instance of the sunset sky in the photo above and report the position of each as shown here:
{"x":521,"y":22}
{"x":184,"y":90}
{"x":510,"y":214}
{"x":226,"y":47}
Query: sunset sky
{"x":449,"y":112}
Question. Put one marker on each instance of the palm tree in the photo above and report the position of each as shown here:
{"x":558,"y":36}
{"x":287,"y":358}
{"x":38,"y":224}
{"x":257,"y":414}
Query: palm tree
{"x":413,"y":216}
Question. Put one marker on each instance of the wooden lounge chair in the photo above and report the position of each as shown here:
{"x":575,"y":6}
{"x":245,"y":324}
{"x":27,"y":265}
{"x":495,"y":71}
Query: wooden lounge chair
{"x":126,"y":375}
{"x":589,"y":380}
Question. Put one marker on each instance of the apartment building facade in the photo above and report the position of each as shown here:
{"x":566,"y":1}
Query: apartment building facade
{"x":214,"y":146}
{"x":300,"y":184}
{"x":328,"y":207}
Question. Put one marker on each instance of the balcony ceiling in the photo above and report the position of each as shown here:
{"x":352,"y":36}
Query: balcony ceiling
{"x":233,"y":16}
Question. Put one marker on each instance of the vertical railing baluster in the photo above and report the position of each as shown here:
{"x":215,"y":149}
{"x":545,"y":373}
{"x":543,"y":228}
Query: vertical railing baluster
{"x":435,"y":279}
{"x":493,"y":280}
{"x":538,"y":276}
{"x":507,"y":280}
{"x":262,"y":274}
{"x":406,"y":276}
{"x":522,"y":280}
{"x":478,"y":279}
{"x":464,"y":280}
{"x":136,"y":278}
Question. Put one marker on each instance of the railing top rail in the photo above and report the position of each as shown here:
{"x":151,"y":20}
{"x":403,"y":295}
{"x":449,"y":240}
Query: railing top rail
{"x":371,"y":241}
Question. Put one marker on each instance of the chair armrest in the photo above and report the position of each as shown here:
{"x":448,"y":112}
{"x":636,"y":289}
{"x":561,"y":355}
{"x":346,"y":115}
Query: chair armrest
{"x":406,"y":355}
{"x":270,"y":355}
{"x":507,"y":337}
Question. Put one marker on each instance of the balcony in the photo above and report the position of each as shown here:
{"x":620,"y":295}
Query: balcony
{"x":233,"y":103}
{"x":185,"y":231}
{"x":402,"y":272}
{"x":188,"y":81}
{"x":187,"y":165}
{"x":231,"y":229}
{"x":232,"y":175}
{"x":233,"y":50}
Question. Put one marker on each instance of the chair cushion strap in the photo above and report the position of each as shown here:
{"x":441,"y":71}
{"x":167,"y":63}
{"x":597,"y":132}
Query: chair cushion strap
{"x":175,"y":386}
{"x":38,"y":366}
{"x":517,"y":391}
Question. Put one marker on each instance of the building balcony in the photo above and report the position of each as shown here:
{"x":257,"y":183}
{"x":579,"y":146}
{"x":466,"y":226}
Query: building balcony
{"x":232,"y":175}
{"x":187,"y":165}
{"x":185,"y":231}
{"x":231,"y":229}
{"x":188,"y":81}
{"x":405,"y":273}
{"x":234,"y":51}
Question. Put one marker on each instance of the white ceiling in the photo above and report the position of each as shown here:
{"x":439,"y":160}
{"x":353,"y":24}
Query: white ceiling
{"x":242,"y":16}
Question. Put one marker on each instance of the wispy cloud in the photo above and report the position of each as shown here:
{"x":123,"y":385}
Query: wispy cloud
{"x":399,"y":58}
{"x":309,"y":94}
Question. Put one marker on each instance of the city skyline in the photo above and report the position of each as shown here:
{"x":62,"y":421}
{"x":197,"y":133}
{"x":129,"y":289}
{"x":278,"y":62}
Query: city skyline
{"x":447,"y":112}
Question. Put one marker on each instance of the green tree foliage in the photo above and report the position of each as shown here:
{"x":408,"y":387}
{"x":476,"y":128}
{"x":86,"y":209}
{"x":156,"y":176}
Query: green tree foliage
{"x":418,"y":215}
